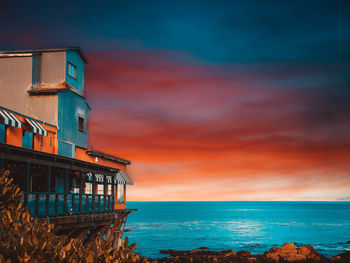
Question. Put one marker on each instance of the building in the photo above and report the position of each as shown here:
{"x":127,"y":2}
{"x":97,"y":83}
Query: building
{"x":44,"y":143}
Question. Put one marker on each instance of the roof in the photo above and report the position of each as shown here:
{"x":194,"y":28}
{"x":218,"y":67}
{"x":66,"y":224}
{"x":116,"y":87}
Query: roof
{"x":108,"y":157}
{"x":43,"y":158}
{"x":38,"y":50}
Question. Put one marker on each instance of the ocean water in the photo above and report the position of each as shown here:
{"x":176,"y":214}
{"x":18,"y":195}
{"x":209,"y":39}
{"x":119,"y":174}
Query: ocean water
{"x":251,"y":226}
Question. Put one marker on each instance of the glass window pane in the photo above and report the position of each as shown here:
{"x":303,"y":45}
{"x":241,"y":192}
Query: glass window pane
{"x":27,"y":140}
{"x":88,"y":188}
{"x":100,"y":189}
{"x":2,"y":132}
{"x":120,"y":194}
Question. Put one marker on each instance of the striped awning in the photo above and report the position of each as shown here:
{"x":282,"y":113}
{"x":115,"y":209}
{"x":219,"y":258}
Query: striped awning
{"x":88,"y":177}
{"x":109,"y":179}
{"x":99,"y":178}
{"x":36,"y":127}
{"x":122,"y":178}
{"x":118,"y":179}
{"x":10,"y":119}
{"x":126,"y":177}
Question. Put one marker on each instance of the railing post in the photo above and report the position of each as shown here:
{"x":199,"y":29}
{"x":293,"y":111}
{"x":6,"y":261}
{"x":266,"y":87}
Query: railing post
{"x":87,"y":204}
{"x":99,"y":203}
{"x":73,"y":202}
{"x":93,"y":204}
{"x":80,"y":202}
{"x":36,"y":204}
{"x":47,"y":204}
{"x":56,"y":204}
{"x":65,"y":206}
{"x":109,"y":203}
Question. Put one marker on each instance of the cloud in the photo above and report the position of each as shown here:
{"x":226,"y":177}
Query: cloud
{"x":187,"y":125}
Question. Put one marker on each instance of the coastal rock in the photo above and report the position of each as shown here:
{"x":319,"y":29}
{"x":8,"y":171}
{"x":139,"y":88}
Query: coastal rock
{"x":202,"y":248}
{"x":289,"y":253}
{"x":341,"y":258}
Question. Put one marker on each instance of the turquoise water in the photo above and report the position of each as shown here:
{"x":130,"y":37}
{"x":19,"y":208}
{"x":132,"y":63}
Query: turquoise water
{"x":251,"y":226}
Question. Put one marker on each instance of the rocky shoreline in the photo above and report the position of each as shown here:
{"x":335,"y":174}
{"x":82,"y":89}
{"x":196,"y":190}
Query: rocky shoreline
{"x":286,"y":254}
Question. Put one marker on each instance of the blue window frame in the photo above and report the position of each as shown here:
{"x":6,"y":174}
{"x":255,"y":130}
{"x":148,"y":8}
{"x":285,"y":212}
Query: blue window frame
{"x":72,"y":70}
{"x":27,"y":140}
{"x":2,"y":133}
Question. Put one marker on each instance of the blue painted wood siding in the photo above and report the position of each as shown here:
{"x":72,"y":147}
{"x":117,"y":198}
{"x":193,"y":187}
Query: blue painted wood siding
{"x":73,"y":57}
{"x":70,"y":107}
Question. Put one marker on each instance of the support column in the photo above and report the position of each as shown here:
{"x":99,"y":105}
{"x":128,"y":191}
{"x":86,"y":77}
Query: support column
{"x":48,"y":193}
{"x":113,"y":194}
{"x":28,"y":185}
{"x":81,"y":188}
{"x":66,"y":187}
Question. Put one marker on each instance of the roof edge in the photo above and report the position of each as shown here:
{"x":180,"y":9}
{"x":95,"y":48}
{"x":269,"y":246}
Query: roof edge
{"x":108,"y":157}
{"x":38,"y":50}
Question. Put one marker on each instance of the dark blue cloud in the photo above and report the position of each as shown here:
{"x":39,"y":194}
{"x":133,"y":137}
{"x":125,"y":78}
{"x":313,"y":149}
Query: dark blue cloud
{"x":213,"y":31}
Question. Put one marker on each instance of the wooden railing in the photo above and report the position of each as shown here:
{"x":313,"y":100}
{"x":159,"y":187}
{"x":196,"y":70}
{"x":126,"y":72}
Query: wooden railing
{"x":42,"y":204}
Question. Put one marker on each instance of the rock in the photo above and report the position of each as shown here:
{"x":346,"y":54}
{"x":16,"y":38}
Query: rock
{"x":289,"y":253}
{"x":341,"y":258}
{"x":243,"y":253}
{"x":202,"y":248}
{"x":166,"y":251}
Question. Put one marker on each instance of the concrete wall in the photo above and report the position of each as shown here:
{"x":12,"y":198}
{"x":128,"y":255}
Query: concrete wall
{"x":70,"y":106}
{"x":15,"y":79}
{"x":73,"y":57}
{"x":53,"y":66}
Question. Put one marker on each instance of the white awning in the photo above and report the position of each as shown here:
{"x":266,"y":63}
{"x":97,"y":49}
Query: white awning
{"x":109,"y":179}
{"x":122,"y":178}
{"x":126,"y":177}
{"x":36,"y":127}
{"x":99,"y":178}
{"x":88,"y":177}
{"x":10,"y":119}
{"x":118,"y":179}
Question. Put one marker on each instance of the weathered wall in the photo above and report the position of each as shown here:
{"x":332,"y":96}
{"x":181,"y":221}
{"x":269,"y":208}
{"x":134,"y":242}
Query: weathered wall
{"x":70,"y":106}
{"x":53,"y":66}
{"x":73,"y":57}
{"x":42,"y":143}
{"x":80,"y":154}
{"x":15,"y":80}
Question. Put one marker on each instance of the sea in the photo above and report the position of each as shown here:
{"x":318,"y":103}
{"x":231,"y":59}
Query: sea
{"x":252,"y":226}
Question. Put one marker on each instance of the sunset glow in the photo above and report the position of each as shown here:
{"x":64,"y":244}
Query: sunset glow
{"x":211,"y":104}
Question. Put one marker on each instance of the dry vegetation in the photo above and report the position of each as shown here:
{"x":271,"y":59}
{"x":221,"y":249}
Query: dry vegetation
{"x":24,"y":239}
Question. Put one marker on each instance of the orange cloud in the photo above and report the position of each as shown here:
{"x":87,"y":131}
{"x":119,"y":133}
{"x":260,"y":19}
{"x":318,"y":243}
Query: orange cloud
{"x":201,"y":132}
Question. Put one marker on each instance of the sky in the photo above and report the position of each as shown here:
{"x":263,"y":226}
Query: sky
{"x":210,"y":100}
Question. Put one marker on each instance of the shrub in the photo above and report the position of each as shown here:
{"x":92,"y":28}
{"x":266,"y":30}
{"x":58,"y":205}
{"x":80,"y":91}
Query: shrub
{"x":24,"y":239}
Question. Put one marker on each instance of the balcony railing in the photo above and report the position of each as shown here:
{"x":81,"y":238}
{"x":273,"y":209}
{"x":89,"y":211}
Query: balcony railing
{"x":42,"y":204}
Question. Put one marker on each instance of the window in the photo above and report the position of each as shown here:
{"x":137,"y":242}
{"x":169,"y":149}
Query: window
{"x":109,"y":189}
{"x":81,"y":124}
{"x":27,"y":140}
{"x":120,"y":194}
{"x":88,"y":188}
{"x":2,"y":133}
{"x":72,"y":70}
{"x":100,"y":189}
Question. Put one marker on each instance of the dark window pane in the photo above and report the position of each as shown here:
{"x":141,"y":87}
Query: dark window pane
{"x":2,"y":132}
{"x":27,"y":140}
{"x":81,"y":124}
